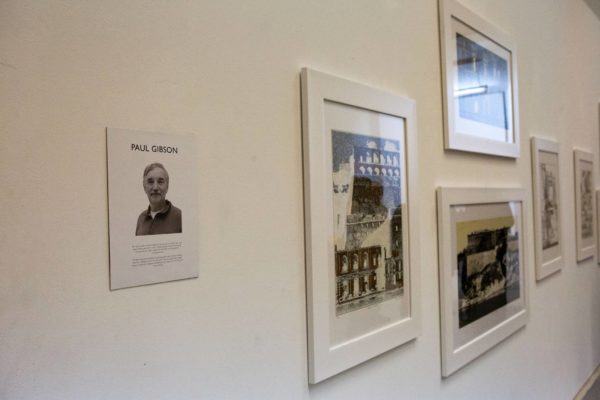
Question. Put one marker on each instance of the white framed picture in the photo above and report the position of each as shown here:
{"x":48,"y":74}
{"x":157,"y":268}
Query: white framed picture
{"x":584,"y":204}
{"x":546,"y":206}
{"x":482,"y":271}
{"x":360,"y":172}
{"x":479,"y":76}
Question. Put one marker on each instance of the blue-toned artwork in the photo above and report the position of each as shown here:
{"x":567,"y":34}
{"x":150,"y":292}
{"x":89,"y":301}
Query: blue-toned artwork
{"x":482,"y":84}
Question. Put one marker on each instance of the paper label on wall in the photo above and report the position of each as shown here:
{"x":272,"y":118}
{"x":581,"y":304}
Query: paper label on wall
{"x":152,"y":201}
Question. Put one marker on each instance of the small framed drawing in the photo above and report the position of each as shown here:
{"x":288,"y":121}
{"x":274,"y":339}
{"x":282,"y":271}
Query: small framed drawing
{"x":584,"y":204}
{"x":483,"y":295}
{"x":479,"y":75}
{"x":360,"y":222}
{"x":546,"y":205}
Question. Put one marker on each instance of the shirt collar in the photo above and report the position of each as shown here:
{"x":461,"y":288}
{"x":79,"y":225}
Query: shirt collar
{"x":165,"y":210}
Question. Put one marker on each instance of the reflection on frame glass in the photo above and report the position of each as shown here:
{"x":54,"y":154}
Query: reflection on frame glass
{"x":360,"y":176}
{"x":482,"y":271}
{"x":480,"y":83}
{"x":547,"y":207}
{"x":483,"y":85}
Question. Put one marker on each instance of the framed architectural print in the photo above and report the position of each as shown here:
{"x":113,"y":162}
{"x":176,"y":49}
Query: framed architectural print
{"x":483,"y":296}
{"x":584,"y":204}
{"x":546,"y":206}
{"x":479,"y":75}
{"x":359,"y":148}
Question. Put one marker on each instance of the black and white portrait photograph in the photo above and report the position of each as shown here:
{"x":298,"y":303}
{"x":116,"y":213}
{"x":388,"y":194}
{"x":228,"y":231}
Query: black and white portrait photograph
{"x":161,"y":216}
{"x":367,"y":220}
{"x":152,"y":207}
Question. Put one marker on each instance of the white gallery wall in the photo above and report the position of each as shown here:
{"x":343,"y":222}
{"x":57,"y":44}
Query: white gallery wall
{"x":228,"y":71}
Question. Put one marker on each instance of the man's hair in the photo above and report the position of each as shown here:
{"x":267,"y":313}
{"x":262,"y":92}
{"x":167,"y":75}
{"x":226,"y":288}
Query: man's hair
{"x":152,"y":166}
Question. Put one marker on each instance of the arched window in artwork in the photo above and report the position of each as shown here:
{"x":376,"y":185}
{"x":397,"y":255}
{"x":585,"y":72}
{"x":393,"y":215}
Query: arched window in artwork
{"x":346,"y":289}
{"x":361,"y":284}
{"x":373,"y":281}
{"x":353,"y":287}
{"x":339,"y":292}
{"x":375,"y":158}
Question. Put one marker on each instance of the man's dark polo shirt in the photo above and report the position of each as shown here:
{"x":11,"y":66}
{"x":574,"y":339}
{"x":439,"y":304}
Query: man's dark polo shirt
{"x":166,"y":221}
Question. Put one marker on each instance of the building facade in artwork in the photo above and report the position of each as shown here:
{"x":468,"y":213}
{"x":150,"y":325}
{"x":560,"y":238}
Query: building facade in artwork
{"x":367,"y":194}
{"x":587,"y":207}
{"x":393,"y":265}
{"x":488,"y":273}
{"x":550,"y":208}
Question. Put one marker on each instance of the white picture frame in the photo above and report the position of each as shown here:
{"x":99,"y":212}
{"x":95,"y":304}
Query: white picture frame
{"x":597,"y":223}
{"x":345,"y":329}
{"x":545,"y":159}
{"x":584,"y":204}
{"x":483,"y":287}
{"x":481,"y":107}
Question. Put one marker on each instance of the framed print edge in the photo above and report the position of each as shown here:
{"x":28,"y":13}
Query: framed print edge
{"x":586,"y":247}
{"x":468,"y":137}
{"x":457,"y":355}
{"x":322,"y":96}
{"x":597,"y":223}
{"x":552,"y":206}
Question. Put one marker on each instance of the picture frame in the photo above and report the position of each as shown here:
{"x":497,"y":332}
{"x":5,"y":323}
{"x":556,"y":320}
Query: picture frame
{"x":597,"y":223}
{"x":479,"y":80}
{"x":482,"y":270}
{"x":547,"y":204}
{"x":360,"y":173}
{"x":584,"y":204}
